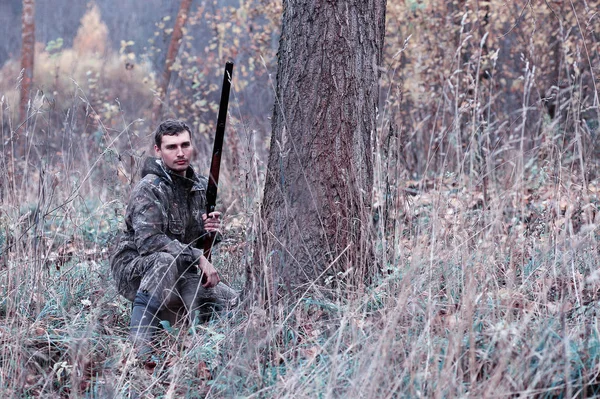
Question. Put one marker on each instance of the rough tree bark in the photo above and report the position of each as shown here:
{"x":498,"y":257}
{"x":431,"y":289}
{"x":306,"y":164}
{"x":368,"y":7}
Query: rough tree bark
{"x":27,"y":56}
{"x":174,"y":45}
{"x":316,"y":219}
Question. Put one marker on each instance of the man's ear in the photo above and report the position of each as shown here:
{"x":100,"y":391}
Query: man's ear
{"x":156,"y":150}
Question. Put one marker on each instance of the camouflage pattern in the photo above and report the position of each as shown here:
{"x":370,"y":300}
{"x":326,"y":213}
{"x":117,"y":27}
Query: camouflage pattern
{"x":159,"y":249}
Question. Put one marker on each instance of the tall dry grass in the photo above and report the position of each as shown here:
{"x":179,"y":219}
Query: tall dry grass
{"x":489,"y":259}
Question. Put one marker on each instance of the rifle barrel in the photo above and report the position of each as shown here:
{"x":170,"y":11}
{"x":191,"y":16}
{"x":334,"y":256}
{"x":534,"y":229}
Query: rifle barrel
{"x":215,"y":165}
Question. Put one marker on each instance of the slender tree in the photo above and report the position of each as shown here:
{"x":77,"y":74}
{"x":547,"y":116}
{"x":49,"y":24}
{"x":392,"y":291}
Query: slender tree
{"x":316,"y":208}
{"x":174,"y":45}
{"x":27,"y":54}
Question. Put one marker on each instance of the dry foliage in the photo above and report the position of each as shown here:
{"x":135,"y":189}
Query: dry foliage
{"x":92,"y":35}
{"x":486,"y":215}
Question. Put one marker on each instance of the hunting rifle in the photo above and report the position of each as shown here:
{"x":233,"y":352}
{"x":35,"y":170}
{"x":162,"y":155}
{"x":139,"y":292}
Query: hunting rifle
{"x":215,"y":165}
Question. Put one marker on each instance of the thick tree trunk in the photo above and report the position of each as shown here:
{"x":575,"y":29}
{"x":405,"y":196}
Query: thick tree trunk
{"x":174,"y":45}
{"x":316,"y":207}
{"x":27,"y":55}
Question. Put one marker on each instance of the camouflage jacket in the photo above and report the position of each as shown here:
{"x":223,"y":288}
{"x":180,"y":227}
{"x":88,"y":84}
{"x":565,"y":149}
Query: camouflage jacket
{"x":164,"y":214}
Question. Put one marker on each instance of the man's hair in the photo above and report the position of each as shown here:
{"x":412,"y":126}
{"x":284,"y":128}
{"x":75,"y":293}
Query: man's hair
{"x":170,"y":127}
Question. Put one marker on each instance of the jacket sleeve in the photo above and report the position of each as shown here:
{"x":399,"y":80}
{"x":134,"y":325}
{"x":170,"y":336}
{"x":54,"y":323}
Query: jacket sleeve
{"x":203,"y":184}
{"x":150,"y":222}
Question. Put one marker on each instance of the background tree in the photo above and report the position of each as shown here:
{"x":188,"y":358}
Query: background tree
{"x":317,"y":198}
{"x":174,"y":45}
{"x":27,"y":55}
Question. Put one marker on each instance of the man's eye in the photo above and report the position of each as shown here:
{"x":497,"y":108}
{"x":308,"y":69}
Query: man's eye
{"x":186,"y":145}
{"x":171,"y":147}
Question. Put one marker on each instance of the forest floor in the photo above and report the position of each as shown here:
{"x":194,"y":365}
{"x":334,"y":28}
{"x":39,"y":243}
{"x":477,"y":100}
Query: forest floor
{"x":479,"y":295}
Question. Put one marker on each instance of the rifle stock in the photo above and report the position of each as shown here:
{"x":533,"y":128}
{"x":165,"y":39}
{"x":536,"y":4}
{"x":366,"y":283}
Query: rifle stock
{"x":215,"y":165}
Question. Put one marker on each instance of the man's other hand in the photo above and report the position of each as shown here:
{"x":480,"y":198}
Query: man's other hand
{"x":212,"y":222}
{"x":211,"y":277}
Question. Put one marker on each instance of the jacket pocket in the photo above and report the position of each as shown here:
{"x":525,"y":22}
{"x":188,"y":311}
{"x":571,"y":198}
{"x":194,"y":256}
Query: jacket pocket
{"x":176,"y":227}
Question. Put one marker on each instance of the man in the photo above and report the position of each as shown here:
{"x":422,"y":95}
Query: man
{"x":159,"y":263}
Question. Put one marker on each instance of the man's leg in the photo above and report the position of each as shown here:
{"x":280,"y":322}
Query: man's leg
{"x":144,"y":322}
{"x":205,"y":301}
{"x":156,"y":290}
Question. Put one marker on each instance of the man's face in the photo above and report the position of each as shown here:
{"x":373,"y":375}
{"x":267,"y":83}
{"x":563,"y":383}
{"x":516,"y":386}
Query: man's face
{"x":175,"y":151}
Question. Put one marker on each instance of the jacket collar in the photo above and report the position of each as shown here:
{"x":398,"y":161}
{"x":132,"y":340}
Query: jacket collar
{"x":156,"y":167}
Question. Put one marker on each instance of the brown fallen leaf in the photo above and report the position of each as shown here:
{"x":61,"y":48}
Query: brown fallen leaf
{"x":203,"y":371}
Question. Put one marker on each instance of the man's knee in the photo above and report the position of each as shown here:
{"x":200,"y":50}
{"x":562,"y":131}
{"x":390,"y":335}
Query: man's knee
{"x":228,"y":297}
{"x":220,"y":297}
{"x":163,"y":258}
{"x":160,"y":276}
